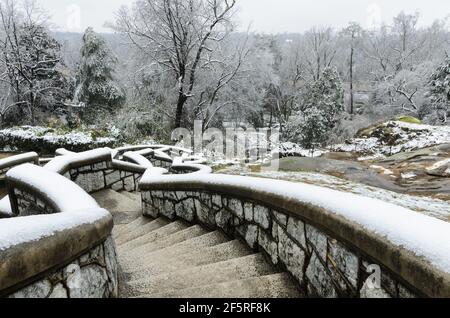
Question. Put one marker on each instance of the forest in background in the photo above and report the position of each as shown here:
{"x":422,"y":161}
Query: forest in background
{"x":170,"y":63}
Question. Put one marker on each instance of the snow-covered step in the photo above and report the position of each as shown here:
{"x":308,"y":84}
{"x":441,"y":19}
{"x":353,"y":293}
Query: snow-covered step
{"x":121,"y":229}
{"x":127,"y":244}
{"x":180,"y":249}
{"x":123,"y":208}
{"x":141,"y":230}
{"x":163,"y":258}
{"x":134,"y":257}
{"x":269,"y":286}
{"x":135,"y":196}
{"x":236,"y":269}
{"x":159,"y":263}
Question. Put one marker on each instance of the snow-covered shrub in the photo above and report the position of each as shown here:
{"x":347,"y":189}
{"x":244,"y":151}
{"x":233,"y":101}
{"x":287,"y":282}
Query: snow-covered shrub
{"x":440,"y":90}
{"x":321,"y":111}
{"x":46,"y":140}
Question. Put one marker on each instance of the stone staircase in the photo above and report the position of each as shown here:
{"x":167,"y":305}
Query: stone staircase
{"x":160,"y":258}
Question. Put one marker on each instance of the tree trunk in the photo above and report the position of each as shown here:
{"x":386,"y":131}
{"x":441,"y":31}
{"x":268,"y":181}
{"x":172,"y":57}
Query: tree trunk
{"x":179,"y":112}
{"x":351,"y":82}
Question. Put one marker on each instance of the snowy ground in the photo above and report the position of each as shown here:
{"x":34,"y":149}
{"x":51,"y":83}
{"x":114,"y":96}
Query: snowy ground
{"x":405,"y":137}
{"x":433,"y":207}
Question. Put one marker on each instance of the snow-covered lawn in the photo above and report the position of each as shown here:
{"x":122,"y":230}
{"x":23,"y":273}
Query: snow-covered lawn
{"x":425,"y":205}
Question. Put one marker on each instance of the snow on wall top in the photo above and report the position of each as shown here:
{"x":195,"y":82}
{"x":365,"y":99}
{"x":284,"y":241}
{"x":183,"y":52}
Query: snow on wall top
{"x":138,"y":159}
{"x":424,"y":235}
{"x":67,"y":195}
{"x":15,"y":231}
{"x":5,"y":206}
{"x":18,"y":159}
{"x":184,"y":163}
{"x":61,"y":163}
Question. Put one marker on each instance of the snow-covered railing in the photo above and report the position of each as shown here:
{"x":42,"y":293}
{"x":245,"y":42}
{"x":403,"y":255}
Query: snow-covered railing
{"x":71,"y":160}
{"x":159,"y":155}
{"x":177,"y":151}
{"x":63,"y":152}
{"x":161,"y":148}
{"x":334,"y":244}
{"x":96,"y":170}
{"x":61,"y":243}
{"x":13,"y":161}
{"x":138,"y":159}
{"x":182,"y":166}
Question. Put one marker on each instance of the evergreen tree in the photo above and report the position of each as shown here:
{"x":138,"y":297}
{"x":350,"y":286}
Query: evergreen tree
{"x":314,"y":131}
{"x":95,"y":86}
{"x":440,"y":90}
{"x":327,"y":95}
{"x":323,"y":104}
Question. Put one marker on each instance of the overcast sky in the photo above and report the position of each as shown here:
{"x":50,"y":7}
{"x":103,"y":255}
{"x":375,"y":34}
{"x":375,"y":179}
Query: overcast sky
{"x":271,"y":16}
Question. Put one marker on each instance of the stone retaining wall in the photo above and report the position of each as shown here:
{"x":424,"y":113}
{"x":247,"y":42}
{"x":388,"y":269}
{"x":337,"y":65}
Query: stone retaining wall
{"x":28,"y":203}
{"x":159,"y":163}
{"x":105,"y":175}
{"x":322,"y":265}
{"x":92,"y":275}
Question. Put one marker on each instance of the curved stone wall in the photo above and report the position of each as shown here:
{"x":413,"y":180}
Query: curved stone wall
{"x":63,"y":247}
{"x":68,"y":252}
{"x":330,"y":254}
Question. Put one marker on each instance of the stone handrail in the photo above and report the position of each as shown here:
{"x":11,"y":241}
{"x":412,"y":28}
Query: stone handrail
{"x":10,"y":162}
{"x":5,"y":165}
{"x":138,"y":159}
{"x":328,"y":240}
{"x":182,"y":166}
{"x":71,"y":160}
{"x":35,"y":247}
{"x":161,"y":148}
{"x":93,"y":170}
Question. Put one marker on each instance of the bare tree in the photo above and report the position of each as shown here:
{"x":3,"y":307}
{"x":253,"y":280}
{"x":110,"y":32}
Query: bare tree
{"x":354,"y":32}
{"x":320,"y":50}
{"x":182,"y":36}
{"x":409,"y":40}
{"x":30,"y":57}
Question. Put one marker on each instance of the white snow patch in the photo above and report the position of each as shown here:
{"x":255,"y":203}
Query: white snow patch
{"x":5,"y":206}
{"x":58,"y":164}
{"x":15,"y":231}
{"x":429,"y":206}
{"x":383,"y":170}
{"x":439,"y":165}
{"x":410,"y":137}
{"x":18,"y":159}
{"x":408,"y":175}
{"x":75,"y":138}
{"x":64,"y":193}
{"x":138,"y":159}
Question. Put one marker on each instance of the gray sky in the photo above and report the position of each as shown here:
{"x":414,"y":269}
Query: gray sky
{"x":272,"y":16}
